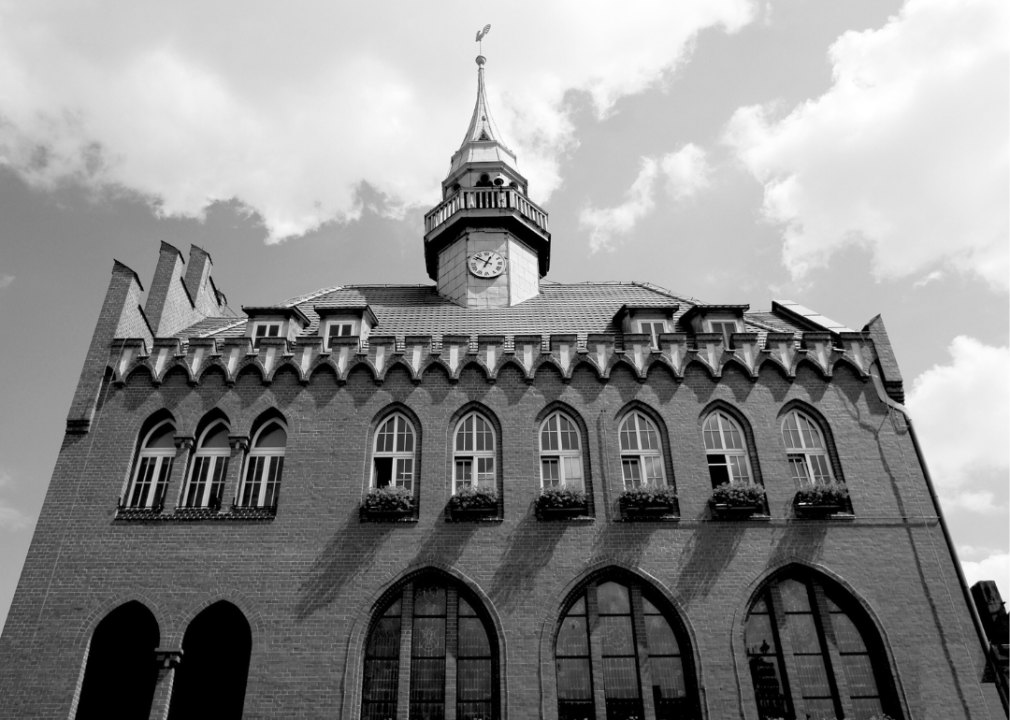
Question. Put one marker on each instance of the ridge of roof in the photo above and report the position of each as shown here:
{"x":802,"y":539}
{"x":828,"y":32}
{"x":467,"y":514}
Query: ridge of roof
{"x":299,"y":299}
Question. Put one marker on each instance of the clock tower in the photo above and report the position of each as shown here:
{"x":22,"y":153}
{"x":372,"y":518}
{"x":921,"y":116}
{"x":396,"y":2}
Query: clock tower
{"x":486,"y":243}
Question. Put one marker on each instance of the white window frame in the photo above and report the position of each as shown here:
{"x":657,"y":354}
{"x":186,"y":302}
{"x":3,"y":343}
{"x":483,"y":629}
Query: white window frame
{"x":643,"y":456}
{"x":482,"y":463}
{"x":216,"y":462}
{"x":736,"y":460}
{"x":719,"y":325}
{"x":158,"y":464}
{"x":264,"y":480}
{"x":813,"y":460}
{"x":266,"y":325}
{"x":400,"y":475}
{"x":352,"y":324}
{"x":653,"y":328}
{"x":569,"y":463}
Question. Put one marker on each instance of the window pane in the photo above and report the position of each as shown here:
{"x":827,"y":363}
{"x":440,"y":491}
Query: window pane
{"x":798,"y":469}
{"x":717,"y":472}
{"x":629,"y":439}
{"x":473,"y":638}
{"x":273,"y":437}
{"x":620,"y":677}
{"x":549,"y":436}
{"x":429,"y":637}
{"x":405,"y":473}
{"x":794,"y":596}
{"x":572,"y":637}
{"x":811,"y":435}
{"x":405,"y":437}
{"x":384,"y":641}
{"x":383,"y":471}
{"x":618,"y":638}
{"x":867,"y":708}
{"x":613,"y":599}
{"x":381,"y":680}
{"x":813,"y":675}
{"x":485,"y":471}
{"x":650,"y":438}
{"x":550,"y":470}
{"x":821,"y":471}
{"x":217,"y":437}
{"x":768,"y":690}
{"x":848,"y":637}
{"x":569,"y":435}
{"x":163,"y":437}
{"x":464,"y":472}
{"x":429,"y":600}
{"x":473,"y":680}
{"x":660,"y":635}
{"x":803,"y":633}
{"x":859,"y":674}
{"x":384,"y":438}
{"x":573,"y":471}
{"x":579,"y":608}
{"x":821,"y":709}
{"x":713,"y":438}
{"x":667,"y":677}
{"x":427,"y":681}
{"x":654,"y":471}
{"x":760,"y":639}
{"x":738,"y":466}
{"x":732,"y":434}
{"x":632,"y":472}
{"x":573,"y":679}
{"x":791,"y":433}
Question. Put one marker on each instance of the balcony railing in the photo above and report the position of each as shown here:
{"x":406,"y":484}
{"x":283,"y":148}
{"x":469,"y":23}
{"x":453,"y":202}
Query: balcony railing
{"x":485,"y":199}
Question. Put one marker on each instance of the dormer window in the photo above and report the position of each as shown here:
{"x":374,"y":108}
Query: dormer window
{"x":265,"y":329}
{"x":726,"y":327}
{"x":652,"y":328}
{"x":339,"y":328}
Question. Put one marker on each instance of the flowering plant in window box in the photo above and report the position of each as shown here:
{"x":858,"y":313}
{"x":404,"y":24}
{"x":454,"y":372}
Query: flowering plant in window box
{"x":561,"y":502}
{"x":648,"y":502}
{"x":473,"y":502}
{"x":388,"y":503}
{"x":821,"y":499}
{"x":737,"y":501}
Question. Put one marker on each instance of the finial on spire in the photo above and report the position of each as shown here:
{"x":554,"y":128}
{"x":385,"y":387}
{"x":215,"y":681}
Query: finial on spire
{"x":480,"y":44}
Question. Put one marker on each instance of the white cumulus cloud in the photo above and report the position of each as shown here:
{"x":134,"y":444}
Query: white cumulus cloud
{"x":685,"y":172}
{"x":907,"y":152}
{"x":991,"y":565}
{"x":962,"y":417}
{"x":288,"y":110}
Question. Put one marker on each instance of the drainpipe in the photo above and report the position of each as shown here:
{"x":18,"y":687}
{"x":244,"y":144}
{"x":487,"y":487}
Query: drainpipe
{"x":962,"y":581}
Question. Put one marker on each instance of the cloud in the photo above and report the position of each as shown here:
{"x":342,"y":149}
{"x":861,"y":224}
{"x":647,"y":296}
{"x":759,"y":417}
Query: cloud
{"x":685,"y":172}
{"x":5,"y":280}
{"x":289,"y":112}
{"x":995,"y":566}
{"x":907,"y":152}
{"x":963,"y":420}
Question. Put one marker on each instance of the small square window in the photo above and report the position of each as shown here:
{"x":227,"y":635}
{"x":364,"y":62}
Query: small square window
{"x":341,"y":329}
{"x":653,"y":328}
{"x":726,"y":328}
{"x":263,"y":330}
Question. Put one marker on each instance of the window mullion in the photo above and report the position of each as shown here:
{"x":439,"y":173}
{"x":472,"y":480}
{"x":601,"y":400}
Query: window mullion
{"x":596,"y":651}
{"x":451,"y":650}
{"x":836,"y":673}
{"x":406,"y":637}
{"x":792,"y":678}
{"x":642,"y":650}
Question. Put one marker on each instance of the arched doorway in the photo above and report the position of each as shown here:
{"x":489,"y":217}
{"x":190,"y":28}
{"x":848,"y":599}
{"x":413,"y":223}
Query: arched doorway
{"x":210,"y":681}
{"x":121,"y":672}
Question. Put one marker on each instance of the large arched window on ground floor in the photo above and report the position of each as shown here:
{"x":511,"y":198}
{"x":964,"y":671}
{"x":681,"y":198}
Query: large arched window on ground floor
{"x":433,"y":637}
{"x":121,"y":671}
{"x":814,"y":653}
{"x":645,"y":654}
{"x":210,"y":681}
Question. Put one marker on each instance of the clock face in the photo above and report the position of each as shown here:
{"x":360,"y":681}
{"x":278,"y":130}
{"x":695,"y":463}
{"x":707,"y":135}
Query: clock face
{"x":486,"y":264}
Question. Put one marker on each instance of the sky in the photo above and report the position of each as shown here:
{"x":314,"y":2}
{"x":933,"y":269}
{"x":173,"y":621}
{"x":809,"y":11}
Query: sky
{"x":853,"y":157}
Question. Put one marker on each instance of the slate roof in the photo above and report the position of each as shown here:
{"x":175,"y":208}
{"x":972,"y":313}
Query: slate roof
{"x":401,"y":310}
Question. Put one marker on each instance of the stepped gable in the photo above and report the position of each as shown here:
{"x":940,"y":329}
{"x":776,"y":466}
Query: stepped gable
{"x":587,"y":307}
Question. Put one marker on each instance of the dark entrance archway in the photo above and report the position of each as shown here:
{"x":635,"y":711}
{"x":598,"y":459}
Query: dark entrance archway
{"x":121,"y":673}
{"x":210,"y":681}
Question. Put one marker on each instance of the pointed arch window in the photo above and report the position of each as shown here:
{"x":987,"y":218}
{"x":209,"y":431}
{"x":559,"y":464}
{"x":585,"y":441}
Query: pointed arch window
{"x":560,"y":453}
{"x":209,"y":468}
{"x":643,"y":651}
{"x":474,"y":453}
{"x":153,"y":467}
{"x":726,"y":448}
{"x":433,"y":637}
{"x":264,"y":466}
{"x":641,"y":452}
{"x":813,"y":653}
{"x":393,"y":456}
{"x":805,"y":449}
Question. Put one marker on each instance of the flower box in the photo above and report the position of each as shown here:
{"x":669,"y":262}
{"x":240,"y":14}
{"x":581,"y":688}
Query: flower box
{"x":387,"y":504}
{"x":473,"y":504}
{"x":252,"y":512}
{"x":821,"y":500}
{"x":737,"y":502}
{"x":649,"y":503}
{"x":561,"y":504}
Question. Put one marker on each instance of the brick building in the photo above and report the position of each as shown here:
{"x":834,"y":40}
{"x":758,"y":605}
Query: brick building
{"x":493,"y":497}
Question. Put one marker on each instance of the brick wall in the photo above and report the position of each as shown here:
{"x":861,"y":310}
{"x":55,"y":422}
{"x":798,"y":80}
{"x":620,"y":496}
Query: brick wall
{"x":309,"y":579}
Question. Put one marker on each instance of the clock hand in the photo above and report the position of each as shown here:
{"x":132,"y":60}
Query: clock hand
{"x":487,"y":261}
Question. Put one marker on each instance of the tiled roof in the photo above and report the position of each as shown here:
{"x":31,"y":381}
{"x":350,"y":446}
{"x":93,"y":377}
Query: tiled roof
{"x":419,"y":310}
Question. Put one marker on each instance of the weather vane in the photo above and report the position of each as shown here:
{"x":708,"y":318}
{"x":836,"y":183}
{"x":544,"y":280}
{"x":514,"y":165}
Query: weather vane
{"x":480,"y":38}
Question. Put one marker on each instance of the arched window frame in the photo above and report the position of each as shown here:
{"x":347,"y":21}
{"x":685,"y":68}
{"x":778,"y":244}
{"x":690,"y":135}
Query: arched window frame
{"x":807,"y":448}
{"x":834,"y":638}
{"x":208,"y":470}
{"x":386,"y":661}
{"x":726,"y":449}
{"x":641,"y":465}
{"x":401,"y":438}
{"x":264,"y":467}
{"x":671,"y":667}
{"x":473,"y":462}
{"x":152,"y":470}
{"x":561,"y":466}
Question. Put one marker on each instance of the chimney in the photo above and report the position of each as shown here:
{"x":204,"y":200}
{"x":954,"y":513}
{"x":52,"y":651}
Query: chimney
{"x":201,"y":288}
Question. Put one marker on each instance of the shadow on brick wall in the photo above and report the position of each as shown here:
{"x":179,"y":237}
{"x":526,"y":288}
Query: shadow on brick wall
{"x":803,"y":541}
{"x":705,"y":558}
{"x":445,"y":543}
{"x":529,"y":549}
